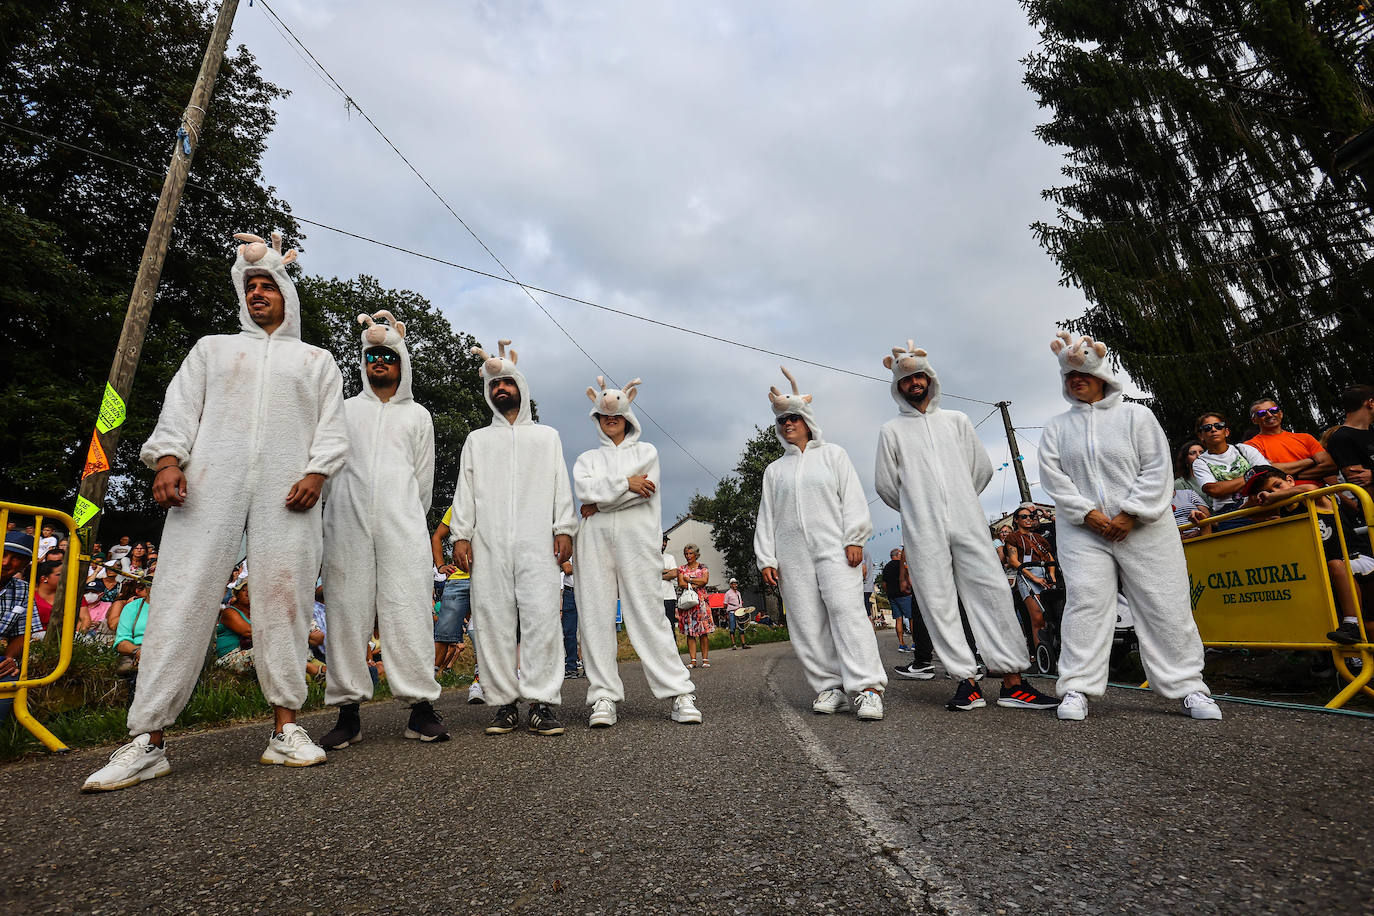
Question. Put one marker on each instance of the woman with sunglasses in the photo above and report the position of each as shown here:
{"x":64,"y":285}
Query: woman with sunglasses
{"x":1106,"y":464}
{"x":1220,"y":468}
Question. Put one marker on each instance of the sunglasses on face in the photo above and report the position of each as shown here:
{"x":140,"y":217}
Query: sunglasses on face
{"x":790,"y":418}
{"x":1208,"y":427}
{"x":1267,"y":412}
{"x":390,"y":359}
{"x":1025,"y":516}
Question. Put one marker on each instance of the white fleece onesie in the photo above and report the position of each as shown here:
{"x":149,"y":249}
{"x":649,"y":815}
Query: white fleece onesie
{"x":931,"y":468}
{"x":617,"y":554}
{"x":513,"y":497}
{"x":247,"y":416}
{"x":1113,"y":456}
{"x":376,"y":537}
{"x":813,"y":507}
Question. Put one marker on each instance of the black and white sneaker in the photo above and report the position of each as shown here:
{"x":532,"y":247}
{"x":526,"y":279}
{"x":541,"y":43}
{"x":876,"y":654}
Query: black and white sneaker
{"x":1024,"y":696}
{"x":917,"y":671}
{"x":348,"y":730}
{"x":543,"y":721}
{"x":967,"y":696}
{"x":1347,"y":634}
{"x":507,"y":720}
{"x":425,"y":724}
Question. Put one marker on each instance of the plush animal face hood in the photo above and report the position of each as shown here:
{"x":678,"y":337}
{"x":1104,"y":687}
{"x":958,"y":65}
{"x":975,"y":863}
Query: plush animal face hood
{"x":906,"y":361}
{"x":1085,"y":355}
{"x":502,"y":366}
{"x":391,"y":335}
{"x":255,"y":256}
{"x":615,"y":402}
{"x":796,"y":403}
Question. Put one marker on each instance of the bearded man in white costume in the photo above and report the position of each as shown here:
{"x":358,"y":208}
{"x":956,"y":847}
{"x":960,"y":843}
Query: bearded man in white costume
{"x":813,"y":522}
{"x":377,"y":565}
{"x":251,"y":427}
{"x":617,"y":556}
{"x":931,"y":468}
{"x":1107,"y":466}
{"x":513,"y":496}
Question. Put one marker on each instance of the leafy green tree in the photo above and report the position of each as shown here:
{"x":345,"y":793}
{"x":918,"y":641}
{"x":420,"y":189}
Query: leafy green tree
{"x":113,"y":76}
{"x":733,"y":509}
{"x":1223,"y":256}
{"x":445,"y":377}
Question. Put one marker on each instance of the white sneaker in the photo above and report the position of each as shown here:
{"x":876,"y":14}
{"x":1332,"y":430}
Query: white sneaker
{"x":1073,"y":706}
{"x":292,"y":748}
{"x":603,"y":713}
{"x":868,"y":705}
{"x":133,"y":763}
{"x":685,"y":709}
{"x":1200,"y":706}
{"x":476,"y":695}
{"x":829,"y":702}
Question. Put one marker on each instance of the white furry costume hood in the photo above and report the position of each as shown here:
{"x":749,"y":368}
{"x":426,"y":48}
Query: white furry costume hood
{"x":255,"y":257}
{"x":502,"y":365}
{"x":906,"y":361}
{"x":1090,"y":356}
{"x":391,"y":335}
{"x":614,"y":402}
{"x":797,"y":403}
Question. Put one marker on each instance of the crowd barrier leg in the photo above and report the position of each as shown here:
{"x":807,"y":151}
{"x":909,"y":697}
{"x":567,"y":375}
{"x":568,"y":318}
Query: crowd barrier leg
{"x":1358,"y":682}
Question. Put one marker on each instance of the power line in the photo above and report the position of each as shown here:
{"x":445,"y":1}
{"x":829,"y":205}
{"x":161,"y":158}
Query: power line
{"x":985,"y":419}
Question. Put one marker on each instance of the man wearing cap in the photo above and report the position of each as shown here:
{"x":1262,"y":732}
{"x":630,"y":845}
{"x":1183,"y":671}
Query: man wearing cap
{"x":14,"y":598}
{"x":251,"y":427}
{"x":733,"y":602}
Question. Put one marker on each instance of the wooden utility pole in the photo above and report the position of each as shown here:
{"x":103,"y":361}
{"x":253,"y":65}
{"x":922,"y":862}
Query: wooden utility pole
{"x":1016,"y":458}
{"x":95,"y":477}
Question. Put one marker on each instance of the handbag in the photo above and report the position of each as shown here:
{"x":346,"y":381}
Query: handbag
{"x":688,"y":599}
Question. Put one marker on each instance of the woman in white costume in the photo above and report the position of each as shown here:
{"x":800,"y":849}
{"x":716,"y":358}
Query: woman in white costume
{"x":1106,"y":464}
{"x":812,"y":524}
{"x":622,"y":523}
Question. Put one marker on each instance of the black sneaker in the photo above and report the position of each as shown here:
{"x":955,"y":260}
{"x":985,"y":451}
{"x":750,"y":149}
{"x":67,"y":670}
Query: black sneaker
{"x":917,"y":671}
{"x":543,"y":721}
{"x":507,"y":720}
{"x":1024,"y":696}
{"x":966,"y":697}
{"x":349,"y":729}
{"x":425,"y":724}
{"x":1347,"y":634}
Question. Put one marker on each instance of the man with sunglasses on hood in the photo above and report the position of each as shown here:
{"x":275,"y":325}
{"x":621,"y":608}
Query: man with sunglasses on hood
{"x":377,"y":567}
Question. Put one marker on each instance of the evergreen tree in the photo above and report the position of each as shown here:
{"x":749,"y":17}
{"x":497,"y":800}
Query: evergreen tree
{"x":734,"y":507}
{"x":1223,"y":256}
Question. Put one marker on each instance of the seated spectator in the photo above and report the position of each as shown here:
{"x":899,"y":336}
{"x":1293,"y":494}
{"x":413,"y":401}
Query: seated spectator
{"x":1190,"y":504}
{"x":1220,"y":468}
{"x":234,"y":632}
{"x":1265,"y":485}
{"x":136,"y":563}
{"x":133,"y":620}
{"x":101,"y":594}
{"x":120,"y":550}
{"x":45,"y":597}
{"x":1352,"y":444}
{"x":14,"y":601}
{"x":48,"y":541}
{"x":1293,"y":453}
{"x":128,"y":592}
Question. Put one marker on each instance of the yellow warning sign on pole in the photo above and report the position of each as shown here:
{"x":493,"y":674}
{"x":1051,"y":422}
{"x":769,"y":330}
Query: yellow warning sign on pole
{"x":85,"y":511}
{"x":111,"y":410}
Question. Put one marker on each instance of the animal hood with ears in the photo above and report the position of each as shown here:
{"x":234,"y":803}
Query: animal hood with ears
{"x":502,"y":365}
{"x":615,"y":402}
{"x":1089,"y":356}
{"x":796,"y":403}
{"x":255,"y":256}
{"x":391,"y":335}
{"x":906,"y":361}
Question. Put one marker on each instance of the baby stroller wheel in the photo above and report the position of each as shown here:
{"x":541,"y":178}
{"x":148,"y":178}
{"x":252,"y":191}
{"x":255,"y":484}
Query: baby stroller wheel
{"x":1044,"y":660}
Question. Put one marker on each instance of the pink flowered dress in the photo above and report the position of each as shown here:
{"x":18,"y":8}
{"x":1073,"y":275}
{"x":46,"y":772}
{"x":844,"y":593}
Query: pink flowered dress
{"x":696,"y":621}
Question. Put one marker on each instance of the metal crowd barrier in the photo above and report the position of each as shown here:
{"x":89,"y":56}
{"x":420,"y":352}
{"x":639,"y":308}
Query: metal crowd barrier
{"x":1267,"y":586}
{"x":74,"y":582}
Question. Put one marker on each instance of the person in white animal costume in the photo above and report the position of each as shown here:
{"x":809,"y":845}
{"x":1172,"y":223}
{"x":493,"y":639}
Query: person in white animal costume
{"x":513,"y":496}
{"x":376,"y":539}
{"x":813,"y":522}
{"x":617,"y":555}
{"x":1106,"y":464}
{"x":251,"y":427}
{"x":931,"y":468}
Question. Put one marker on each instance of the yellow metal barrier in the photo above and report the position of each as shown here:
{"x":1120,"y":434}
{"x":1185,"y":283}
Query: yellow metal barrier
{"x":1267,"y":585}
{"x":74,"y":580}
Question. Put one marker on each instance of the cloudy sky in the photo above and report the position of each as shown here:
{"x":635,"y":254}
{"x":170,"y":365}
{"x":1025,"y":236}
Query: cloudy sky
{"x":821,"y":179}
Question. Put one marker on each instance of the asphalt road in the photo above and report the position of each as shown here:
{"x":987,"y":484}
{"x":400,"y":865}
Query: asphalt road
{"x":765,"y":808}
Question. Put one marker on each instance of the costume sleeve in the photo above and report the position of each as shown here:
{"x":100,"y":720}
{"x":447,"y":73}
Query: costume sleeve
{"x":855,"y":522}
{"x":1152,"y":491}
{"x":179,"y":420}
{"x":564,"y":515}
{"x":887,"y":472}
{"x":765,"y":544}
{"x":980,"y":465}
{"x":463,"y":517}
{"x":1068,"y":502}
{"x":424,"y":459}
{"x":329,"y":449}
